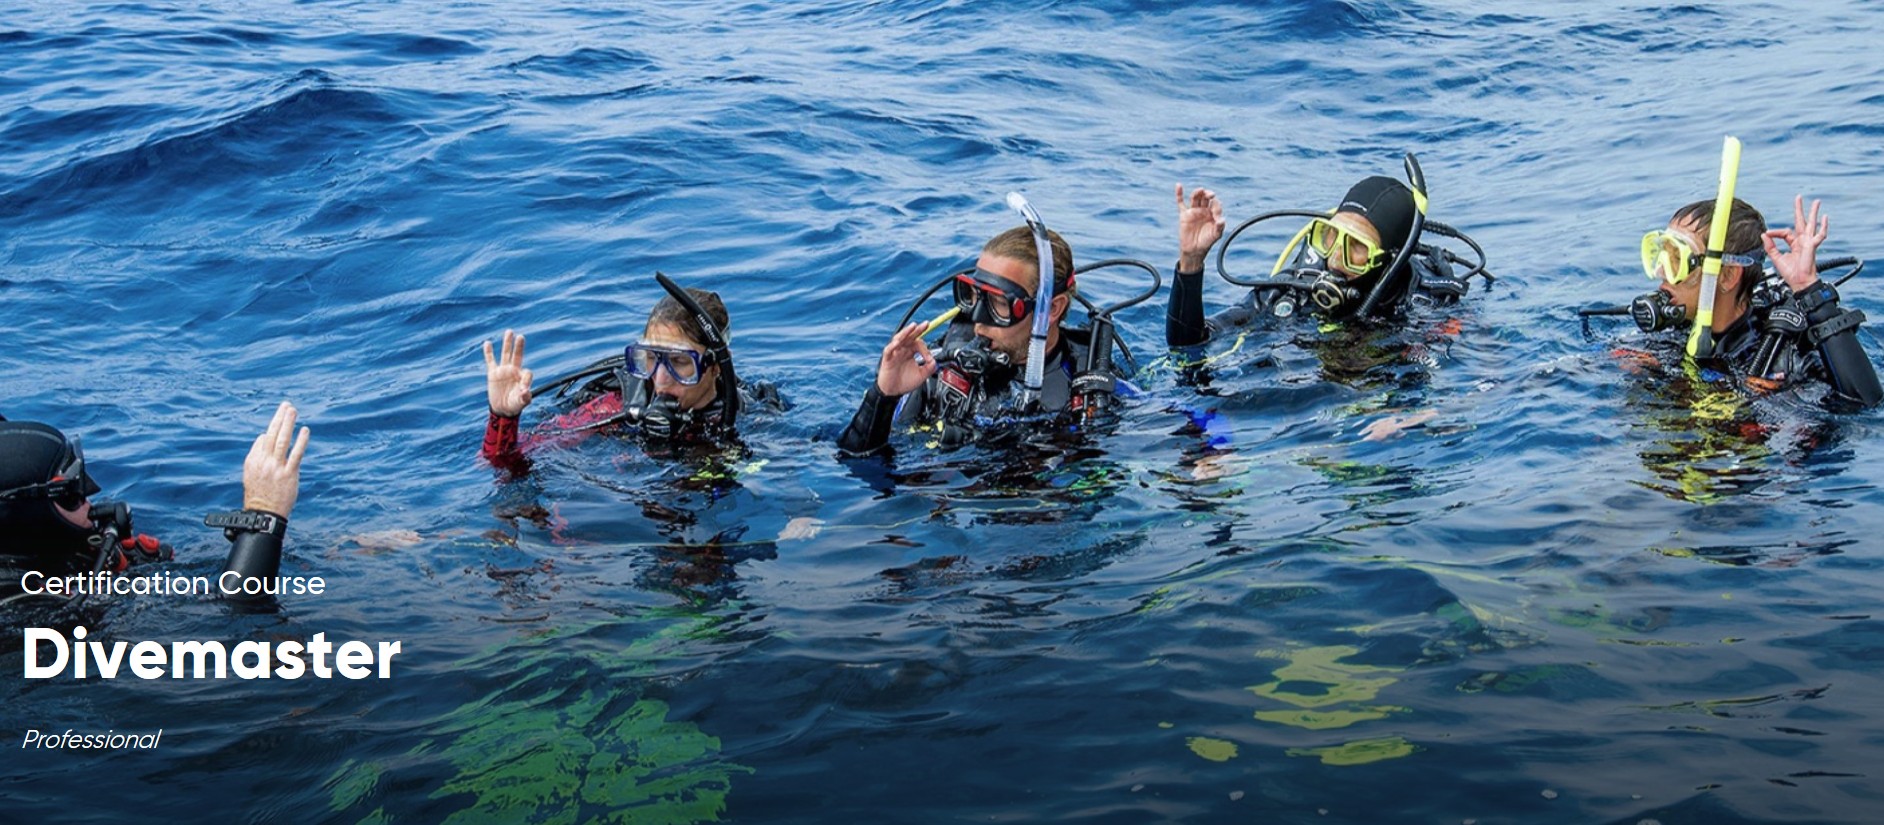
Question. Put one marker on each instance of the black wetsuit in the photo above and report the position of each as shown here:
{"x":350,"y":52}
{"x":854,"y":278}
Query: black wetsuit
{"x":1432,"y":282}
{"x":965,"y":399}
{"x":1797,"y":338}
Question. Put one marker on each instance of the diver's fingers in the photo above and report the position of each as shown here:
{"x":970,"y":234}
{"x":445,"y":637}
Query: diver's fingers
{"x":259,"y":449}
{"x":517,"y":355}
{"x":905,"y":345}
{"x":275,"y":422}
{"x":282,"y":428}
{"x":300,"y":449}
{"x":1798,"y":211}
{"x":1180,"y":196}
{"x":911,"y":334}
{"x":490,"y":361}
{"x":925,"y":360}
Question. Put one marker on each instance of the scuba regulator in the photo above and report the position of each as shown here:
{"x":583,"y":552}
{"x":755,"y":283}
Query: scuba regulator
{"x":1656,"y":311}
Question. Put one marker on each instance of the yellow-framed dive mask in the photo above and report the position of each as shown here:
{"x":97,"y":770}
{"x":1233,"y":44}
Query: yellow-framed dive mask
{"x":1338,"y":244}
{"x":1667,"y":256}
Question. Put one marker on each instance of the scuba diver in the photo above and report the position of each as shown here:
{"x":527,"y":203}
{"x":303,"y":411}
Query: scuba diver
{"x":1007,"y":354}
{"x":674,"y":386}
{"x":1780,"y":328}
{"x":1365,"y":259}
{"x":50,"y":525}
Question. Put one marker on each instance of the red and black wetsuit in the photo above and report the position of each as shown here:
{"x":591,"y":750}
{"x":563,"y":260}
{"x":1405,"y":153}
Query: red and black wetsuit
{"x":601,"y":406}
{"x":505,"y":448}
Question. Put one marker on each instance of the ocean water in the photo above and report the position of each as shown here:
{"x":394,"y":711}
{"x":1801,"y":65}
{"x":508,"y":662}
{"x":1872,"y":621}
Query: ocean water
{"x":1580,"y":591}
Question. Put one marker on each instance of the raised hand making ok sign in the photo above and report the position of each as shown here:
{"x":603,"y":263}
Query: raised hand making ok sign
{"x":505,"y":378}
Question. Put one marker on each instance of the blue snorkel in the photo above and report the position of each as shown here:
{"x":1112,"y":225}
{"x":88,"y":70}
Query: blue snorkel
{"x":1043,"y":299}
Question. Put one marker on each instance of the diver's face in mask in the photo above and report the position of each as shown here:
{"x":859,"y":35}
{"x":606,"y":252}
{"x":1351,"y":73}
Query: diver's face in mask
{"x":81,"y":517}
{"x":689,"y":397}
{"x":1687,"y":294}
{"x":1361,"y":228}
{"x":1012,"y":341}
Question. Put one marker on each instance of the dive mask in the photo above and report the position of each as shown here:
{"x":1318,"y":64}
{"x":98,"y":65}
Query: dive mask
{"x":1667,"y":256}
{"x":986,"y":298}
{"x":1335,"y":244}
{"x":685,"y":366}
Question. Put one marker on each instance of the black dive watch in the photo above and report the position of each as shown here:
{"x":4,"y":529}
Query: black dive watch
{"x":234,"y":522}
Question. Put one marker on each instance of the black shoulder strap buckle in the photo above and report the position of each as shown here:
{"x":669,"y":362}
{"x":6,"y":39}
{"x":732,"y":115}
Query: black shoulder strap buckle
{"x":234,"y":522}
{"x":1837,"y":324}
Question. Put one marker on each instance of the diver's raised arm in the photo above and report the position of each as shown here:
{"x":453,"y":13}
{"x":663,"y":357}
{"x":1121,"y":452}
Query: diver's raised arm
{"x":1200,"y":224}
{"x":271,"y":482}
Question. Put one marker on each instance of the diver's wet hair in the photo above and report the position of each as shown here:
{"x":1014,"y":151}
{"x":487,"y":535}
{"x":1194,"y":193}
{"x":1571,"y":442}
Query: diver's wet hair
{"x":1018,"y":244}
{"x":670,"y":311}
{"x":1745,"y":226}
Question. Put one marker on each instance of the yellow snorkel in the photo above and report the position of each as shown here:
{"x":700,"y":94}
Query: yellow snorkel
{"x":940,"y":320}
{"x":1701,"y":340}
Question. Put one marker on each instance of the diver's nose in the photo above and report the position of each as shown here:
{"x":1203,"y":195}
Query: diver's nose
{"x":665,"y":384}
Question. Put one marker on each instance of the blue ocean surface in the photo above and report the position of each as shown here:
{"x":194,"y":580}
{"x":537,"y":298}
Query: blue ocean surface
{"x":1580,"y":590}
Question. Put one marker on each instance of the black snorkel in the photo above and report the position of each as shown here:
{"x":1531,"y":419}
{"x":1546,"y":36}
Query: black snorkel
{"x":1416,"y":180}
{"x":716,"y":344}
